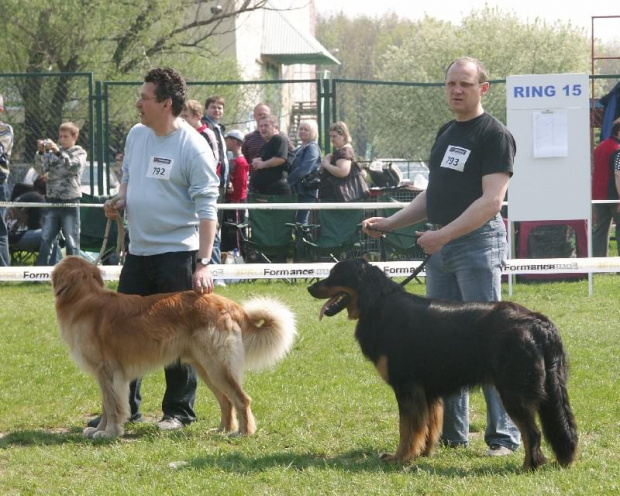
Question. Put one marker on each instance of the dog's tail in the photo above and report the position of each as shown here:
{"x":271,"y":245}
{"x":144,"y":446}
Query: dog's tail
{"x":556,"y":416}
{"x":269,"y":334}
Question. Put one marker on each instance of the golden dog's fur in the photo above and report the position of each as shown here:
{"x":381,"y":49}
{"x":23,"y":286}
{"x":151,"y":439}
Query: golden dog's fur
{"x":118,"y":338}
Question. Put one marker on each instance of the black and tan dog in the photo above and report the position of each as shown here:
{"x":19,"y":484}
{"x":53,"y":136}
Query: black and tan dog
{"x":425,"y":348}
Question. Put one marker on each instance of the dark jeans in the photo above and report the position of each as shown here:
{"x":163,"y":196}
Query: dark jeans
{"x":164,"y":273}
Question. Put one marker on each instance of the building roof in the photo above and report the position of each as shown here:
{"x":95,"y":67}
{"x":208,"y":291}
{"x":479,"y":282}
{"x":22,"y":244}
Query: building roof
{"x":286,"y":44}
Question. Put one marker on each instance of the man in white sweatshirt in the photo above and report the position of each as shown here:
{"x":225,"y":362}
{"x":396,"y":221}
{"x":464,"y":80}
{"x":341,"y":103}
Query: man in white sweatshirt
{"x":169,"y":191}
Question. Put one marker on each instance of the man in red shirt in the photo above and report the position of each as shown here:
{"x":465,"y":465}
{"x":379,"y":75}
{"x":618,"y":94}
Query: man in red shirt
{"x":604,"y":188}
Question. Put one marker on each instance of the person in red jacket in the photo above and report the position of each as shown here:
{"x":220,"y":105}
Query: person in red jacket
{"x":236,"y":190}
{"x":604,"y":188}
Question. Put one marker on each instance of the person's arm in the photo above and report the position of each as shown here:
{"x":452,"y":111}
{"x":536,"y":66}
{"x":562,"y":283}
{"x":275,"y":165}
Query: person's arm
{"x":202,"y":280}
{"x":279,"y":147}
{"x":113,"y":206}
{"x":343,"y":164}
{"x":494,"y":187}
{"x":259,"y":164}
{"x":411,"y":214}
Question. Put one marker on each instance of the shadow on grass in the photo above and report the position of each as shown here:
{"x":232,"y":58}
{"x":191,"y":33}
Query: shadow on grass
{"x":44,"y":438}
{"x":352,"y":461}
{"x":361,"y":460}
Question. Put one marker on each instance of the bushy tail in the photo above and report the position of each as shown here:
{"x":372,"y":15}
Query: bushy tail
{"x":269,"y":333}
{"x":556,"y":416}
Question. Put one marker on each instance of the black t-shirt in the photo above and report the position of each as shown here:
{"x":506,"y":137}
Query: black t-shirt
{"x":277,"y":146}
{"x":463,"y":152}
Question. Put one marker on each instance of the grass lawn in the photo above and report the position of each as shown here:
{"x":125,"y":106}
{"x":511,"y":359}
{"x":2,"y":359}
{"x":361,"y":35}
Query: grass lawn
{"x":323,"y":414}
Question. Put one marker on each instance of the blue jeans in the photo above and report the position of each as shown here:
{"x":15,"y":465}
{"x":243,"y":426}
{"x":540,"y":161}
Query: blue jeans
{"x":5,"y":260}
{"x":31,"y":241}
{"x":164,"y":273}
{"x":65,"y":219}
{"x":469,"y":269}
{"x":304,"y":197}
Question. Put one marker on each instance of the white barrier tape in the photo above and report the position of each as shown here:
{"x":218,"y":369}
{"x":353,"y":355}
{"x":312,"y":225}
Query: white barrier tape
{"x":241,"y":206}
{"x":312,"y":270}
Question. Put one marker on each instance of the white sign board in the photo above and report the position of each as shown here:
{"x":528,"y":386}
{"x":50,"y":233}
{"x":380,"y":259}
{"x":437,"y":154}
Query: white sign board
{"x":548,"y":115}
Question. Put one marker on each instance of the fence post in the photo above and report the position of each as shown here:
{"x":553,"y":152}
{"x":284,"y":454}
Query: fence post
{"x":99,"y":136}
{"x":326,"y":98}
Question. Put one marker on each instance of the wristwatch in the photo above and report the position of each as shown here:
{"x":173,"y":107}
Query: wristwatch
{"x":204,"y":261}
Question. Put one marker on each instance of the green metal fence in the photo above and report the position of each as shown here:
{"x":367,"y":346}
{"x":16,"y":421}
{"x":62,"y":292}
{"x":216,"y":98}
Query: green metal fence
{"x":386,"y":119}
{"x":35,"y":104}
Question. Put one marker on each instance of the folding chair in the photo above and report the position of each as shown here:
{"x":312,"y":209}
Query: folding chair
{"x":337,"y":236}
{"x":267,"y":236}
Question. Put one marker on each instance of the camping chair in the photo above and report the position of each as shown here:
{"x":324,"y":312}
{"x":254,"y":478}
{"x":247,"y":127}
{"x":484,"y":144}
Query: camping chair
{"x":400,"y":244}
{"x":267,"y":235}
{"x":337,"y":236}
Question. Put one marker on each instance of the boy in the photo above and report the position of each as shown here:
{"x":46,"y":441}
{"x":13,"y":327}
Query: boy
{"x":64,"y":166}
{"x":236,"y":189}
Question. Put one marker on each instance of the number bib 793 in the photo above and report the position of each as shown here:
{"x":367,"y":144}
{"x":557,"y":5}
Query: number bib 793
{"x":159,"y":168}
{"x":455,"y":158}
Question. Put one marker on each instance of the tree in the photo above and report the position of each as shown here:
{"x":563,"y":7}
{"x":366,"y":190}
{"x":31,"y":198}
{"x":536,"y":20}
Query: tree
{"x":115,"y":40}
{"x":402,"y":120}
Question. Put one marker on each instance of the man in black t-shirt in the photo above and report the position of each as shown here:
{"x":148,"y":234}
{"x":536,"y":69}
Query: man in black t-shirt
{"x":470,"y":167}
{"x":270,"y":170}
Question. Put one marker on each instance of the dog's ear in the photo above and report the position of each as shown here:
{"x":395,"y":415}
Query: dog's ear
{"x":97,"y":275}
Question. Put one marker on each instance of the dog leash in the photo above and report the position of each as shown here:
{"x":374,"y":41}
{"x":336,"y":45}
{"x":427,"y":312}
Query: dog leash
{"x":120,"y":239}
{"x":420,"y":267}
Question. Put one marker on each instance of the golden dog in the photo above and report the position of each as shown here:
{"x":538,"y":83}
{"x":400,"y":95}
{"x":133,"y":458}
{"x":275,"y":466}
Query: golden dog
{"x":118,"y":338}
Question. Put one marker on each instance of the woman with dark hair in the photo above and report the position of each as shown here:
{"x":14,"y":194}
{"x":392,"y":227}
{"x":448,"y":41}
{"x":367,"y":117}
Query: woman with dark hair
{"x":341,"y":178}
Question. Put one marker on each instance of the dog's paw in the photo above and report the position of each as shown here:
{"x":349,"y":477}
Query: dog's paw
{"x":104,"y":435}
{"x":89,"y":432}
{"x":395,"y":458}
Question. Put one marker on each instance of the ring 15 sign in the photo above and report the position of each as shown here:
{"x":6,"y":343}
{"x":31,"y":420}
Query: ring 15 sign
{"x":547,"y":91}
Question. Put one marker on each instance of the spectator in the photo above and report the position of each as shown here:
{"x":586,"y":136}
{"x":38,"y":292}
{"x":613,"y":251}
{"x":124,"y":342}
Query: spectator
{"x":604,"y":188}
{"x":470,"y":167}
{"x":172,"y":218}
{"x":214,"y":110}
{"x":25,"y":231}
{"x":270,"y":169}
{"x":253,"y":142}
{"x":192,"y":113}
{"x":341,"y":177}
{"x":6,"y":146}
{"x":307,"y":160}
{"x":237,"y":190}
{"x":63,"y":166}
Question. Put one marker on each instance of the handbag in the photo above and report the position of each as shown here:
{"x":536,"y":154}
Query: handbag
{"x":311,"y":181}
{"x":351,"y":188}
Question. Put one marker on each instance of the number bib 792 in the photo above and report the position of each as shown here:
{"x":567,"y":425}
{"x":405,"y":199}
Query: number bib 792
{"x":159,"y":168}
{"x":455,"y":158}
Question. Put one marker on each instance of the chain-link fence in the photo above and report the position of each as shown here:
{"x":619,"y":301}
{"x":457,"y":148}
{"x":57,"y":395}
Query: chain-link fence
{"x":282,"y":97}
{"x":386,"y":119}
{"x":400,"y":120}
{"x":36,"y":104}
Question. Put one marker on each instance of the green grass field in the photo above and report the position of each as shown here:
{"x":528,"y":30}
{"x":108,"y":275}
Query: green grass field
{"x":323,"y":414}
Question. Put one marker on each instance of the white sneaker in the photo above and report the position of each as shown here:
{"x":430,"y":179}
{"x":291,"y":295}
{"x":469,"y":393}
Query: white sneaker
{"x":497,"y":450}
{"x":170,"y":424}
